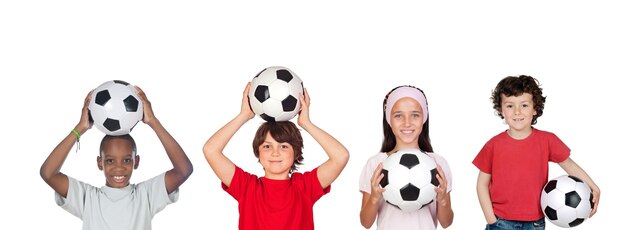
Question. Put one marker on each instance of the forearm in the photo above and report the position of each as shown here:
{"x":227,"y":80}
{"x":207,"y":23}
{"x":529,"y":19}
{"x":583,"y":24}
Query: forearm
{"x":181,"y":163}
{"x":369,"y":211}
{"x":571,"y":168}
{"x":334,"y":149}
{"x":214,"y":147}
{"x":485,"y":203}
{"x":52,"y":165}
{"x":445,"y":215}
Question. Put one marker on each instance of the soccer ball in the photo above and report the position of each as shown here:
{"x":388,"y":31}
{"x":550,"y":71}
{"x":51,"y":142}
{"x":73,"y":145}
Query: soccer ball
{"x":566,"y":201}
{"x":275,"y":94}
{"x":115,"y":108}
{"x":409,"y":179}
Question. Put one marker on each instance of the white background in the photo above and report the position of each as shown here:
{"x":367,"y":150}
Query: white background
{"x":194,"y":58}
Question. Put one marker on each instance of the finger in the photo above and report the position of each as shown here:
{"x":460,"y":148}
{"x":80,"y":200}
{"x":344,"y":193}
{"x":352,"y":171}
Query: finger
{"x":440,"y":172}
{"x":306,"y":96}
{"x":247,"y":89}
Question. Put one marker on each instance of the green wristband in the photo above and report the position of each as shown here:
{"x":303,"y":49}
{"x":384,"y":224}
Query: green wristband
{"x":76,"y":133}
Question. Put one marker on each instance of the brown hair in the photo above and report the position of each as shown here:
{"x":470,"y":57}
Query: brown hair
{"x":283,"y":131}
{"x":516,"y":86}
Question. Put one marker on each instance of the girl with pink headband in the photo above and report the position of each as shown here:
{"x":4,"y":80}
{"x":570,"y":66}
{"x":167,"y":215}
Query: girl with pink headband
{"x":405,"y":125}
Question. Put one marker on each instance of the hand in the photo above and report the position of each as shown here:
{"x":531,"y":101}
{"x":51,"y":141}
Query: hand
{"x":595,"y":200}
{"x":303,"y":115}
{"x":85,"y":122}
{"x":376,"y":191}
{"x":442,"y":190}
{"x":148,"y":113}
{"x":246,"y":111}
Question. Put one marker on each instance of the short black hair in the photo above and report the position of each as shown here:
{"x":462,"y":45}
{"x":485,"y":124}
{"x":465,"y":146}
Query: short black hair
{"x":127,"y":137}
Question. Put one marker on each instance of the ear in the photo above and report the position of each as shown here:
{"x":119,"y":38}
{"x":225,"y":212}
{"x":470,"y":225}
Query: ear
{"x":136,"y":161}
{"x":99,"y":160}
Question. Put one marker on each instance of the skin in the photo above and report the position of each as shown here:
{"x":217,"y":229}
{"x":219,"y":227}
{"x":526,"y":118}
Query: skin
{"x":518,"y":112}
{"x":117,"y":161}
{"x":327,"y":172}
{"x":406,"y":124}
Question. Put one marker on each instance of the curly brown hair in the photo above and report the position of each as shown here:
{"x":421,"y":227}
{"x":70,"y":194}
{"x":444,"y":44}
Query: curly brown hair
{"x":516,"y":86}
{"x":283,"y":131}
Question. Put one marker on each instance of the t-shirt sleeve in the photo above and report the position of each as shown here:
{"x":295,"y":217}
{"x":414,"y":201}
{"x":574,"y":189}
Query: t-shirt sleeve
{"x":366,"y":175}
{"x":484,"y":159}
{"x":312,"y":185}
{"x":238,"y":183}
{"x":558,"y":150}
{"x":74,"y":203}
{"x":157,"y":193}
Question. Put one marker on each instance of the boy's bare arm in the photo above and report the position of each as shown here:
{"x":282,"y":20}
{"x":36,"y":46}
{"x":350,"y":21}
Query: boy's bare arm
{"x":482,"y":189}
{"x":571,"y":168}
{"x":50,"y":170}
{"x":214,"y":147}
{"x":338,"y":155}
{"x":182,"y":166}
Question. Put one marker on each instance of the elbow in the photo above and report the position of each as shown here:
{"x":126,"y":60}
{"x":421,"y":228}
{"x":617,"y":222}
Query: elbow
{"x":448,"y":223}
{"x":365,"y":224}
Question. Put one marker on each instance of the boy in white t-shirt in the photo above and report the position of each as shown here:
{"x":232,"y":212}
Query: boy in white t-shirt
{"x":118,"y":204}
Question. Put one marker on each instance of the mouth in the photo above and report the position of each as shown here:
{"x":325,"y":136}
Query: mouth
{"x":119,"y":179}
{"x":407,"y":131}
{"x":275,"y":161}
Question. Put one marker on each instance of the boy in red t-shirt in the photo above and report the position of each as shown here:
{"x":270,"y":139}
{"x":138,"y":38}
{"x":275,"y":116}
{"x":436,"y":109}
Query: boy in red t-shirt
{"x":281,"y":199}
{"x":514,"y":164}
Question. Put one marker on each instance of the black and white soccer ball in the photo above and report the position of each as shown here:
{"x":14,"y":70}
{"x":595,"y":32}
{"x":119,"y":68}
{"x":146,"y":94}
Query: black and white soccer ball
{"x":275,"y":94}
{"x":566,"y":201}
{"x":409,"y":179}
{"x":115,"y":108}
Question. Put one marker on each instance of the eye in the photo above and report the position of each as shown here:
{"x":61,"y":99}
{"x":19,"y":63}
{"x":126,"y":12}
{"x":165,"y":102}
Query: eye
{"x":397,"y":115}
{"x":508,"y":106}
{"x":265,"y":146}
{"x":525,"y":105}
{"x":128,"y":161}
{"x":108,"y":161}
{"x":284,"y":146}
{"x":415,"y":115}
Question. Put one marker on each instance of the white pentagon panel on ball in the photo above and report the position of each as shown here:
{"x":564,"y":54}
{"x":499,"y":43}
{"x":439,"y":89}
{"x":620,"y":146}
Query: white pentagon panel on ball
{"x":409,"y":206}
{"x":279,"y":90}
{"x":115,"y":108}
{"x":421,"y":175}
{"x":272,"y":108}
{"x":400,"y":176}
{"x":566,"y":216}
{"x":392,"y":195}
{"x":565,"y":184}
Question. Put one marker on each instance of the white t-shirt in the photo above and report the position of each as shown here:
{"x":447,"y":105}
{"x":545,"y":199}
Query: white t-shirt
{"x":131,"y":207}
{"x":390,"y":217}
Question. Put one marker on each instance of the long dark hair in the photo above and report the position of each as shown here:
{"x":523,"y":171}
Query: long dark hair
{"x":389,"y":139}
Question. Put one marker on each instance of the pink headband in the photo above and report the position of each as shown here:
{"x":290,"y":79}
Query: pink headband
{"x":402,"y":92}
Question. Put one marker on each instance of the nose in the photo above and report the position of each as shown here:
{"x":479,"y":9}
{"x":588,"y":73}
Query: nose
{"x":517,"y":110}
{"x":275,"y":152}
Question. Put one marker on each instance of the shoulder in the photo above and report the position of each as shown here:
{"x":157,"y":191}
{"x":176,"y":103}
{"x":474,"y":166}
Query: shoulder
{"x":544,"y":134}
{"x":377,"y":158}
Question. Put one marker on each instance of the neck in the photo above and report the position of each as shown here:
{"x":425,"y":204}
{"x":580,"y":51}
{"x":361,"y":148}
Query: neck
{"x":519,"y":134}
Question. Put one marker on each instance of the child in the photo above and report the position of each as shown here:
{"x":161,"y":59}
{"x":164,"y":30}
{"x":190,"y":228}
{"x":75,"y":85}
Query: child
{"x":514,"y":164}
{"x":119,"y":204}
{"x":282,"y":198}
{"x":405,"y":125}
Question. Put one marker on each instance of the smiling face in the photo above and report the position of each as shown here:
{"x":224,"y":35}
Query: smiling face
{"x":276,"y":158}
{"x":118,"y":161}
{"x":518,"y":112}
{"x":406,"y":122}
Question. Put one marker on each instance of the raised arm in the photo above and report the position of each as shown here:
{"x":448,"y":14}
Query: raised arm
{"x":50,"y":170}
{"x":214,"y":147}
{"x":482,"y":189}
{"x":573,"y":169}
{"x":338,"y":155}
{"x":182,"y":166}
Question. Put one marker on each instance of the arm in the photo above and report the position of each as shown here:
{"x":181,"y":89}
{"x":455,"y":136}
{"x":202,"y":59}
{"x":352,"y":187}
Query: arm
{"x":214,"y":147}
{"x":338,"y":155}
{"x":371,"y":201}
{"x":50,"y":170}
{"x":182,"y":166}
{"x":444,"y":205}
{"x":482,"y":188}
{"x":573,"y":169}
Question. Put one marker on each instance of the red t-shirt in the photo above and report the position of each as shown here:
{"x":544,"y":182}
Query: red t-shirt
{"x":519,"y":170}
{"x":275,"y":204}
